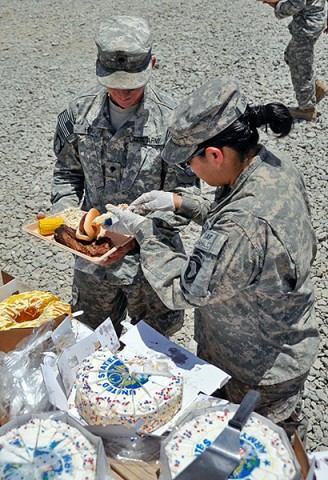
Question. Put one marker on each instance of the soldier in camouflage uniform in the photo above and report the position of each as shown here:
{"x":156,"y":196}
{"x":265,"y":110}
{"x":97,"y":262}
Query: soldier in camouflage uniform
{"x":309,"y":20}
{"x":248,"y":276}
{"x":108,"y":145}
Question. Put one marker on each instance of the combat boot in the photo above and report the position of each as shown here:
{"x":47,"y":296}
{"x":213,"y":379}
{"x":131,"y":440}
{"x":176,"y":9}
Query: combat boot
{"x":321,"y":90}
{"x":299,"y":113}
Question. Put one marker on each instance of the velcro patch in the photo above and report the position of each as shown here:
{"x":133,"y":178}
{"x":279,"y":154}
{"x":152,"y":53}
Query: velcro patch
{"x":207,"y":240}
{"x":59,"y":142}
{"x":65,"y":124}
{"x":193,"y":267}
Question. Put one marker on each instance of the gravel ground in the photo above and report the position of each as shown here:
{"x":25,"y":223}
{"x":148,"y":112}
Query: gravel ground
{"x":48,"y":53}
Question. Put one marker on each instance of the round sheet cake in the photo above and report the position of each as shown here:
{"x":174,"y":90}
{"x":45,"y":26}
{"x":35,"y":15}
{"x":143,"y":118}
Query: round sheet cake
{"x":264,"y":455}
{"x":106,"y":393}
{"x":45,"y":449}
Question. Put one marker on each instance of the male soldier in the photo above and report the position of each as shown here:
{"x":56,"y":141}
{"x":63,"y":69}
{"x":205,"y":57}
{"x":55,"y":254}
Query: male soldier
{"x":108,"y":145}
{"x":308,"y":22}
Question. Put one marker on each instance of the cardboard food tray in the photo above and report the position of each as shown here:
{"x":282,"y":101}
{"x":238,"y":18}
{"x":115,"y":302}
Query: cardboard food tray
{"x":118,"y":241}
{"x":10,"y":338}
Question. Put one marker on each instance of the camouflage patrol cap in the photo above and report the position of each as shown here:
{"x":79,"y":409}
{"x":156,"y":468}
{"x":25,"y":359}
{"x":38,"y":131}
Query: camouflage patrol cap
{"x":124,"y":52}
{"x":201,"y":116}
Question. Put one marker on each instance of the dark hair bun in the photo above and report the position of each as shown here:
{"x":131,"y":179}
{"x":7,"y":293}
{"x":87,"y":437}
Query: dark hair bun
{"x":275,"y":115}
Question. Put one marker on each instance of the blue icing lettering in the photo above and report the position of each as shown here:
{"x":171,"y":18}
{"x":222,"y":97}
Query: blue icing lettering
{"x":117,"y":391}
{"x":254,"y":441}
{"x":201,"y":447}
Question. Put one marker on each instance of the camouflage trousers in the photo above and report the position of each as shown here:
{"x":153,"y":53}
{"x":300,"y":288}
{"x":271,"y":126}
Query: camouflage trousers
{"x":100,"y":300}
{"x":281,"y":402}
{"x":299,"y":56}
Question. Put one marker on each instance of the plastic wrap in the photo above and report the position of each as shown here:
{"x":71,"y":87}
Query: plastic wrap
{"x":103,"y":471}
{"x":22,"y":384}
{"x":23,"y":390}
{"x":127,"y":447}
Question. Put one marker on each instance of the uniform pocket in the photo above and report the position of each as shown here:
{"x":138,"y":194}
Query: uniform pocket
{"x":143,"y":167}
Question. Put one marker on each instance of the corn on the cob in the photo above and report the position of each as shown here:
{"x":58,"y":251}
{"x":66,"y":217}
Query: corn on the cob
{"x":47,"y":226}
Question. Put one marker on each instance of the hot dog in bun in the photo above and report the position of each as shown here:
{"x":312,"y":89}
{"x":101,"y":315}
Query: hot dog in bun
{"x":87,"y":230}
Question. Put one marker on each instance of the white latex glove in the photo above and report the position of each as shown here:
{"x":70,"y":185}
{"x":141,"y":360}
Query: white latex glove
{"x":125,"y":223}
{"x":152,"y":201}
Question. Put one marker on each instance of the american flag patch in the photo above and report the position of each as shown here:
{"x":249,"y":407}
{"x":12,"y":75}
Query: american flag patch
{"x":65,"y":124}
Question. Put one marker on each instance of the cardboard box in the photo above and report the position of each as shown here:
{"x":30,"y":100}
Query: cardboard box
{"x":10,"y":285}
{"x":307,"y":465}
{"x":141,"y":339}
{"x":9,"y":339}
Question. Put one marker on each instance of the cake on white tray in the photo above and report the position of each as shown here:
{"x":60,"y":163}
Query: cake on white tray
{"x":108,"y":394}
{"x":46,"y":449}
{"x":263,"y":452}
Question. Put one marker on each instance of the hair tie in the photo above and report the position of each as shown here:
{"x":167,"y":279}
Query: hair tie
{"x":259,"y":115}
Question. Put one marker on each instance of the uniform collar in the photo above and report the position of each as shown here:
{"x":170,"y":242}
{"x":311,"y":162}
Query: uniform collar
{"x":229,"y":190}
{"x":142,"y":123}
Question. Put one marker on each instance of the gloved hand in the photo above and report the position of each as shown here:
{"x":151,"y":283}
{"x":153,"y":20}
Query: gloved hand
{"x":152,"y":201}
{"x":126,"y":224}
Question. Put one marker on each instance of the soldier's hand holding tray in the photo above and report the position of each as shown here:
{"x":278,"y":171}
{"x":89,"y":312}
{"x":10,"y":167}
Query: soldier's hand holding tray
{"x":130,"y":247}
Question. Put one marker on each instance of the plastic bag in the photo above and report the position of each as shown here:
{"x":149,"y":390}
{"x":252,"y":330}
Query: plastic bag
{"x":135,"y":448}
{"x":23,"y":389}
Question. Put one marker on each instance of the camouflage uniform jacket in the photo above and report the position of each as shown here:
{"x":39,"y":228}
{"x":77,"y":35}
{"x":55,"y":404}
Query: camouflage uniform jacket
{"x":309,"y":16}
{"x":96,"y":165}
{"x":248,"y":274}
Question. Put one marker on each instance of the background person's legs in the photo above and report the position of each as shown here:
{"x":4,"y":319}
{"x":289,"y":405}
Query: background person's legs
{"x":144,"y":304}
{"x":299,"y":56}
{"x":99,"y":300}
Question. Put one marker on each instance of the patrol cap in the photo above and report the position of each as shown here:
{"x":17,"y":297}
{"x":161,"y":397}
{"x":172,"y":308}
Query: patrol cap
{"x":201,"y":116}
{"x":124,"y":52}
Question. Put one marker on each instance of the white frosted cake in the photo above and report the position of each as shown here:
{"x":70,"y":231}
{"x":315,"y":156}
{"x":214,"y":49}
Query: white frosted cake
{"x":264,"y":455}
{"x":106,"y":393}
{"x":47,"y":450}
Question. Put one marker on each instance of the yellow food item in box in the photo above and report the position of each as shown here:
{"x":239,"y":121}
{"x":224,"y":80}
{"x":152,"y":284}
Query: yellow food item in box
{"x":31,"y":309}
{"x":47,"y":226}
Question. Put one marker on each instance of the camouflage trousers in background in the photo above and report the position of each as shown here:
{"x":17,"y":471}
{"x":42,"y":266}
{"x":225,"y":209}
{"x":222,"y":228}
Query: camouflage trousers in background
{"x":281,"y":402}
{"x":299,"y":56}
{"x":100,"y":299}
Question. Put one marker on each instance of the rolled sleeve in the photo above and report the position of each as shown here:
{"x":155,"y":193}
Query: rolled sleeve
{"x":194,"y":207}
{"x":287,"y":8}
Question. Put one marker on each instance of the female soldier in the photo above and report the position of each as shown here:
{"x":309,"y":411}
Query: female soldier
{"x":248,"y":275}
